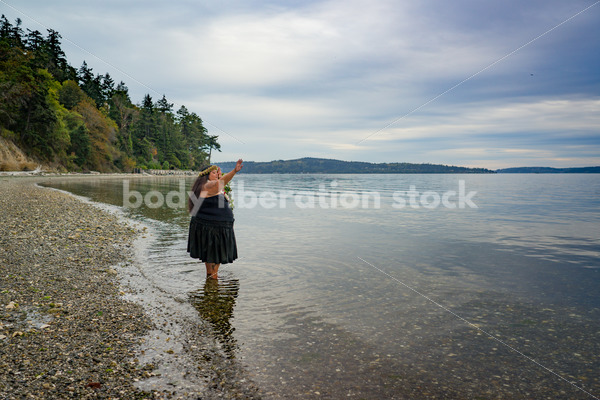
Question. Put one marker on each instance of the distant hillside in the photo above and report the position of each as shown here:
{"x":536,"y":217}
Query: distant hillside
{"x":548,"y":170}
{"x":326,"y":166}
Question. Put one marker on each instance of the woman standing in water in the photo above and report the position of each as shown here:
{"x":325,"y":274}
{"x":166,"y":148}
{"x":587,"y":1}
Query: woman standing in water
{"x":211,"y":238}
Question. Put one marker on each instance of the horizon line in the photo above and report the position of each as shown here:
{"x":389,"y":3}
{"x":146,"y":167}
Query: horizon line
{"x":405,"y":162}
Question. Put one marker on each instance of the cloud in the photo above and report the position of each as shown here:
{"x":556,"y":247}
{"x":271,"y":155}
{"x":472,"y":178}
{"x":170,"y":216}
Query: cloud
{"x":491,"y":132}
{"x":564,"y":116}
{"x":254,"y":51}
{"x":284,"y":80}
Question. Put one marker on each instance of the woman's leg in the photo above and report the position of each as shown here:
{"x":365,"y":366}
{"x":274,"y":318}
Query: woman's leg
{"x":215,"y":270}
{"x":212,"y":269}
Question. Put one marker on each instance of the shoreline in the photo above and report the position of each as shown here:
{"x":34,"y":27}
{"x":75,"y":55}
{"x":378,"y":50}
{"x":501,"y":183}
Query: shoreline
{"x":79,"y":319}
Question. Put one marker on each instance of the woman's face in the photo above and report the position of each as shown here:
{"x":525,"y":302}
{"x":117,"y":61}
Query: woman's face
{"x":214,"y":175}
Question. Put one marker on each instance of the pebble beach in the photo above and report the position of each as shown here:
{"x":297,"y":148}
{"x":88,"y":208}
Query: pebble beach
{"x":67,"y":329}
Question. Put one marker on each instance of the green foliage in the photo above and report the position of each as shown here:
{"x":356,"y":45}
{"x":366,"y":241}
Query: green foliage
{"x":154,"y":165}
{"x":80,"y":145}
{"x":70,"y":94}
{"x":80,"y":148}
{"x":60,"y":139}
{"x":38,"y":123}
{"x":86,"y":123}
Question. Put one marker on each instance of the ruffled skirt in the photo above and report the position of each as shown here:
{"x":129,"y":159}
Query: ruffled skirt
{"x":212,"y":241}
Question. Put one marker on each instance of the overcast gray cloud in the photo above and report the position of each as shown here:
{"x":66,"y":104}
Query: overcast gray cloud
{"x":355,"y":79}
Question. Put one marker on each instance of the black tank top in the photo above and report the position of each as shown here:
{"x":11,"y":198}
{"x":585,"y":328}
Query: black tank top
{"x":215,"y":208}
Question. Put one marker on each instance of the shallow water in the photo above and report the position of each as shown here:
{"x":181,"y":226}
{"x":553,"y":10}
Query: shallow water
{"x":333,"y":297}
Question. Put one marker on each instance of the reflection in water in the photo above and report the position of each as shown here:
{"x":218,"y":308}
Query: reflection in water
{"x":215,"y":304}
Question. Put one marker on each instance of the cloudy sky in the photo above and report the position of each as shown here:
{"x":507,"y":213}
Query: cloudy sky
{"x":492,"y":83}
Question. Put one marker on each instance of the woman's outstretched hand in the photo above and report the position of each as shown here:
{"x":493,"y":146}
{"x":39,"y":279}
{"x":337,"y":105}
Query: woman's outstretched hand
{"x":238,"y":165}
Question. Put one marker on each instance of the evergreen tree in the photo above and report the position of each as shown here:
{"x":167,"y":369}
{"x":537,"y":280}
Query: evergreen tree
{"x":90,"y":84}
{"x":107,"y":88}
{"x":210,"y":143}
{"x":5,"y":28}
{"x":86,"y":122}
{"x":57,"y":63}
{"x":34,"y":40}
{"x":123,"y":112}
{"x":164,"y":143}
{"x":38,"y":123}
{"x":194,"y":135}
{"x":144,"y":132}
{"x":164,"y":106}
{"x":16,"y":84}
{"x":13,"y":35}
{"x":84,"y":74}
{"x":80,"y":145}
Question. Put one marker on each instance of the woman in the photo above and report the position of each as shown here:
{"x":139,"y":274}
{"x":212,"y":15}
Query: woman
{"x":211,"y":238}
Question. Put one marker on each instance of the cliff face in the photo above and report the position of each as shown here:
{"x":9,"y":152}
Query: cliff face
{"x":12,"y":158}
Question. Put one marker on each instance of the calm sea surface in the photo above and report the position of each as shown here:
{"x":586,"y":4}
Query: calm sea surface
{"x":363,"y":286}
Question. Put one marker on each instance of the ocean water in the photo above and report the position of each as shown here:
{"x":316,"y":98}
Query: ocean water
{"x":392,"y":286}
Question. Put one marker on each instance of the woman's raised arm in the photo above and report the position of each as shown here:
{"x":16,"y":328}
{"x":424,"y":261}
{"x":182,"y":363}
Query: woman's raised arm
{"x":216,"y":187}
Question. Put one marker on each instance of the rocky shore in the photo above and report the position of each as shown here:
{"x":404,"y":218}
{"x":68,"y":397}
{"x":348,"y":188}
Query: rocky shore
{"x":66,"y":328}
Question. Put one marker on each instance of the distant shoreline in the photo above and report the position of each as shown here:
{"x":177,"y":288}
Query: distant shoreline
{"x":329,"y":166}
{"x":310,"y":165}
{"x":322,"y":166}
{"x":549,"y":170}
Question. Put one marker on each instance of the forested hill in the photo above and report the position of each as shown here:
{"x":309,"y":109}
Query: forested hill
{"x":549,"y":170}
{"x":74,"y":120}
{"x":327,"y":166}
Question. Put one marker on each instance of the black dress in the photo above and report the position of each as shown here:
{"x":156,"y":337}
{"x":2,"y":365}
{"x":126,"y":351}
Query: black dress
{"x":211,"y":238}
